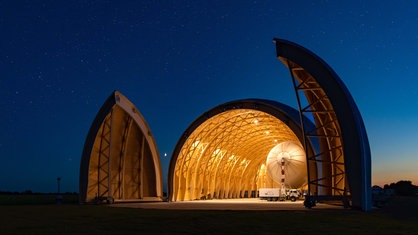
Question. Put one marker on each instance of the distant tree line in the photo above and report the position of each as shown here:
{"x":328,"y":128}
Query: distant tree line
{"x":30,"y":192}
{"x":403,"y":188}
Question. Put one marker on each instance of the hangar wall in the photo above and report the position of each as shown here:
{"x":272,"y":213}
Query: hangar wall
{"x":120,"y":161}
{"x":339,"y":126}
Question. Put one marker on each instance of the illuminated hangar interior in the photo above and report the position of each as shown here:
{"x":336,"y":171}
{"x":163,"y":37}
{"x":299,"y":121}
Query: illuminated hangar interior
{"x":120,"y":161}
{"x":224,"y":153}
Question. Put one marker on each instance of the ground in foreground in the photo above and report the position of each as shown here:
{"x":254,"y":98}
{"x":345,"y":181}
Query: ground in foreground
{"x":93,"y":219}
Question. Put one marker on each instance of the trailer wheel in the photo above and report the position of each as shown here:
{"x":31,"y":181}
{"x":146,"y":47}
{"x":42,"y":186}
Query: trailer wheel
{"x":293,"y":198}
{"x":308,"y":203}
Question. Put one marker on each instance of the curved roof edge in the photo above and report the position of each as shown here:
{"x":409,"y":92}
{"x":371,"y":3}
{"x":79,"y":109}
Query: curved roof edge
{"x":284,"y":113}
{"x":356,"y":144}
{"x":116,"y":98}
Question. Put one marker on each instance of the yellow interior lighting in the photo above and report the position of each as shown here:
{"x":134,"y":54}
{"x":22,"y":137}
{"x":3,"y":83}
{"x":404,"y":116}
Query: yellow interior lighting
{"x":225,"y":156}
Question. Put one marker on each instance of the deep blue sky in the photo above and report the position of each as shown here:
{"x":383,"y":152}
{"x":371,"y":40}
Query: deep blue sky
{"x":60,"y":60}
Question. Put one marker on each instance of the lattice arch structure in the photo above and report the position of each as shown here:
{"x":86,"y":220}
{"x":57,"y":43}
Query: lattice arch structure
{"x":120,"y":161}
{"x":223,"y":153}
{"x":344,"y":159}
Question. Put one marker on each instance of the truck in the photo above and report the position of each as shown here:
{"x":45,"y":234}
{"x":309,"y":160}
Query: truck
{"x":277,"y":194}
{"x":292,"y":194}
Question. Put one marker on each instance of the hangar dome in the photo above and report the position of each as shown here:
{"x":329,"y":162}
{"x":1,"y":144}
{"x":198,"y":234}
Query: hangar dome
{"x":223,"y":152}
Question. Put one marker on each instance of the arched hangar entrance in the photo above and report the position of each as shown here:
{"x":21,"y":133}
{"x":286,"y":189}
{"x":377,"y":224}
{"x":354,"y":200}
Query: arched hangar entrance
{"x":223,"y":153}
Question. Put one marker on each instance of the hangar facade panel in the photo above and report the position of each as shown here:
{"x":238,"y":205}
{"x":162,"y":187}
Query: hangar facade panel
{"x":120,"y":161}
{"x":339,"y":128}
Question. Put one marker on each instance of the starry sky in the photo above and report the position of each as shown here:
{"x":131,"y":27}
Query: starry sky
{"x":60,"y":60}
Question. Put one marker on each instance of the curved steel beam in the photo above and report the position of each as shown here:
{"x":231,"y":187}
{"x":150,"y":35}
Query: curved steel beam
{"x":356,"y":149}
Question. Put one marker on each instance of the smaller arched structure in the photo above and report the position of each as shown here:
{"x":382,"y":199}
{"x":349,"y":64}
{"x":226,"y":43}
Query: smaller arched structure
{"x":223,"y":153}
{"x":120,"y":161}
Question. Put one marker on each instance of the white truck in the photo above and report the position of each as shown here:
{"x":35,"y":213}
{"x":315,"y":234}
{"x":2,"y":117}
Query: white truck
{"x":292,"y":194}
{"x":277,"y":194}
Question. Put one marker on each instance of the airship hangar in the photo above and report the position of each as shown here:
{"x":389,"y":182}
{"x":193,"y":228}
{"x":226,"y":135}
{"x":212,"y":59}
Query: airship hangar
{"x":239,"y":148}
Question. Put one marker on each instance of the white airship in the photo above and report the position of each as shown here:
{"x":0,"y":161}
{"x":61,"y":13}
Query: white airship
{"x":286,"y":163}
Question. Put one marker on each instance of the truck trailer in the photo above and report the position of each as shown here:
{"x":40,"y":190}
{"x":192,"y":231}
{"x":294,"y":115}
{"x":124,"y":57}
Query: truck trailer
{"x":277,"y":194}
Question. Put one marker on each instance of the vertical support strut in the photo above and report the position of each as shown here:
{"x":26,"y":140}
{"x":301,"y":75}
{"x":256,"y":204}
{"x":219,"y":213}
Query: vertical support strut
{"x":302,"y":124}
{"x":141,"y":169}
{"x":109,"y":190}
{"x":103,"y":166}
{"x":121,"y":167}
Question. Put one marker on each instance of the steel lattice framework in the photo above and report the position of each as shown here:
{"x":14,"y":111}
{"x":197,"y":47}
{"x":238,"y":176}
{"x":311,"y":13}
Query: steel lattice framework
{"x":223,"y":153}
{"x":344,"y":163}
{"x":120,"y":160}
{"x":329,"y":179}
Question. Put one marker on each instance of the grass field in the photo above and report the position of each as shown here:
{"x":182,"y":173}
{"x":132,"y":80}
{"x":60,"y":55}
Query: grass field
{"x":35,"y":199}
{"x":94,"y":219}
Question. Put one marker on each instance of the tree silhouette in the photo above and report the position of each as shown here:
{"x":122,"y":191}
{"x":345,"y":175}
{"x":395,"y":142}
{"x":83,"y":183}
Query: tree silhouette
{"x":403,"y":188}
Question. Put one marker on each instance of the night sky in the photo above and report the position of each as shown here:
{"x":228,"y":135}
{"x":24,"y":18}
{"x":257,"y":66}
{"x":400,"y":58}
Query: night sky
{"x":60,"y":60}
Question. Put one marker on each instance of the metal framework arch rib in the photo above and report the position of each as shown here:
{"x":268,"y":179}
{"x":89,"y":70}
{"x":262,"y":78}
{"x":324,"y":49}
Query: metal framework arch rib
{"x":344,"y":159}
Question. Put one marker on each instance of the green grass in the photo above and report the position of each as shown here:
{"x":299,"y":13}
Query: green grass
{"x":93,"y":219}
